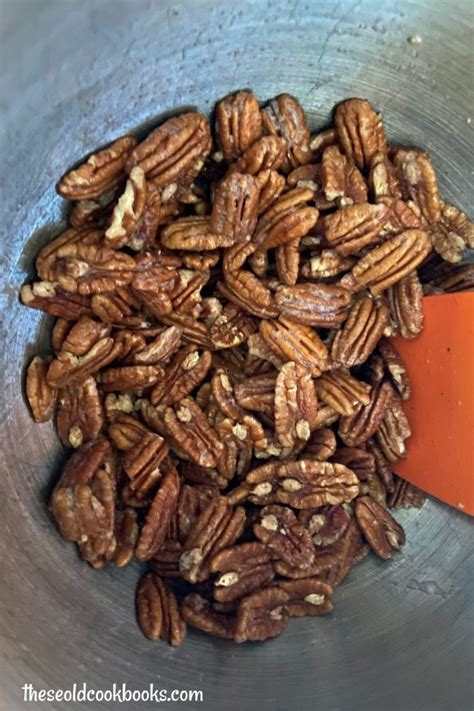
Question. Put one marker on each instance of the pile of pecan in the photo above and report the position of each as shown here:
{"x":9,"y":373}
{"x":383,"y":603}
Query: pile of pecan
{"x":221,"y":356}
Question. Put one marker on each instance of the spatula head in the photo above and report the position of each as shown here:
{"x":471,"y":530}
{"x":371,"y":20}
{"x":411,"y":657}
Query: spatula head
{"x":439,"y":363}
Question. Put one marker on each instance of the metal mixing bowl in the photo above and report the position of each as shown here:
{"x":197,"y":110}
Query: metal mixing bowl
{"x":75,"y":75}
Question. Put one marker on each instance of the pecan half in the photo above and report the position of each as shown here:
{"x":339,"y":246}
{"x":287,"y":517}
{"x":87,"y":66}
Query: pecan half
{"x":341,"y":179}
{"x":340,"y":390}
{"x":326,"y":525}
{"x":357,"y":428}
{"x":190,"y":432}
{"x":278,"y":528}
{"x":257,"y":393}
{"x":238,"y":124}
{"x":363,"y":328}
{"x":242,"y":569}
{"x":41,"y":395}
{"x":158,"y":518}
{"x":201,"y":614}
{"x":171,"y":150}
{"x":284,"y":117}
{"x":295,"y":405}
{"x":287,"y":219}
{"x":392,"y":431}
{"x":325,"y":265}
{"x":231,"y":327}
{"x":382,"y":532}
{"x":351,"y":228}
{"x":357,"y":460}
{"x":360,"y":131}
{"x":129,"y":210}
{"x":261,"y":615}
{"x":126,"y":531}
{"x":308,"y":484}
{"x":192,"y":501}
{"x":323,"y":305}
{"x":395,"y":367}
{"x":234,"y":212}
{"x":271,"y":185}
{"x":216,"y":528}
{"x":452,"y":234}
{"x":268,"y":153}
{"x":247,"y":291}
{"x":158,"y":613}
{"x":384,"y":179}
{"x":80,"y":415}
{"x":100,"y":173}
{"x":129,"y":378}
{"x":194,"y":233}
{"x":420,"y":182}
{"x":406,"y":496}
{"x":160,"y":349}
{"x":320,"y":446}
{"x":187,"y":369}
{"x":288,"y":261}
{"x":295,"y":342}
{"x":307,"y":597}
{"x":165,"y":562}
{"x":53,"y":300}
{"x":142,"y":463}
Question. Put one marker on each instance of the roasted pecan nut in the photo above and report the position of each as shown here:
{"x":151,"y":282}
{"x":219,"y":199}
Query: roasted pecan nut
{"x":360,"y":461}
{"x":129,"y":210}
{"x":142,"y":463}
{"x":216,"y":528}
{"x":158,"y":518}
{"x":384,"y":178}
{"x":77,"y":509}
{"x":100,"y":173}
{"x":189,"y":431}
{"x":267,"y":153}
{"x":322,"y":305}
{"x":320,"y":446}
{"x":158,"y":612}
{"x":382,"y":532}
{"x":452,"y":234}
{"x":99,"y":548}
{"x":351,"y":228}
{"x":41,"y":395}
{"x":326,"y":525}
{"x":238,"y":124}
{"x":71,"y":238}
{"x":185,"y":372}
{"x":271,"y":185}
{"x":295,"y":342}
{"x":193,"y":331}
{"x":341,"y":180}
{"x":307,"y":597}
{"x":392,"y":431}
{"x":125,"y":431}
{"x":360,"y":131}
{"x":234,"y":212}
{"x":193,"y":233}
{"x":165,"y":562}
{"x":126,"y":532}
{"x":323,"y":140}
{"x":80,"y":415}
{"x":357,"y":428}
{"x":231,"y":327}
{"x":117,"y":308}
{"x":356,"y":340}
{"x":284,"y":117}
{"x":200,"y":613}
{"x":395,"y":368}
{"x":171,"y":150}
{"x":257,"y":393}
{"x":295,"y":405}
{"x":246,"y":291}
{"x":129,"y":378}
{"x":54,"y":300}
{"x":287,"y":219}
{"x":326,"y":265}
{"x":261,"y":615}
{"x":340,"y":390}
{"x":191,"y":502}
{"x":278,"y":528}
{"x":160,"y":348}
{"x":406,"y":496}
{"x":288,"y":261}
{"x":308,"y":484}
{"x":420,"y":182}
{"x":242,"y":569}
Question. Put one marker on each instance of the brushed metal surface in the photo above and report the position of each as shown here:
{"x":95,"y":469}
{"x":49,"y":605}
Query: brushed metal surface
{"x":74,"y":75}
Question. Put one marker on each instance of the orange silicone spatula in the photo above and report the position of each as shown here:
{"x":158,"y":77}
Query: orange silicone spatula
{"x":440,"y":365}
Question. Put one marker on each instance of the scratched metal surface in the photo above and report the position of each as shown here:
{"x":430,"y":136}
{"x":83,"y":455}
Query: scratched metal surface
{"x":74,"y":76}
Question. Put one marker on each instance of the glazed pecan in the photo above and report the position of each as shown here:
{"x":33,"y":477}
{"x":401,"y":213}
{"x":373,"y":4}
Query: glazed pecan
{"x":284,"y":117}
{"x":405,"y":300}
{"x":242,"y":569}
{"x":388,"y":263}
{"x":296,"y":342}
{"x":295,"y":405}
{"x":80,"y":415}
{"x":100,"y":173}
{"x":53,"y":300}
{"x":129,"y":378}
{"x":142,"y":463}
{"x":217,"y":527}
{"x":341,"y":180}
{"x":360,"y":131}
{"x":41,"y":395}
{"x":261,"y":615}
{"x":395,"y":368}
{"x":247,"y":292}
{"x":420,"y":181}
{"x":325,"y":265}
{"x":129,"y":210}
{"x":287,"y":219}
{"x":238,"y":124}
{"x":356,"y":340}
{"x":278,"y":528}
{"x":320,"y":446}
{"x":322,"y":305}
{"x":126,"y":532}
{"x":187,"y":369}
{"x":160,"y":348}
{"x":234,"y":212}
{"x":340,"y":390}
{"x":75,"y":503}
{"x":200,"y":613}
{"x":287,"y":258}
{"x":171,"y":150}
{"x":126,"y":431}
{"x":158,"y":518}
{"x":392,"y":431}
{"x":382,"y":532}
{"x":267,"y":153}
{"x":326,"y":525}
{"x":384,"y":179}
{"x":86,"y":349}
{"x":158,"y":612}
{"x":357,"y":428}
{"x":351,"y":228}
{"x":271,"y":185}
{"x":190,"y":432}
{"x":406,"y":496}
{"x":193,"y":233}
{"x":452,"y":234}
{"x":309,"y":596}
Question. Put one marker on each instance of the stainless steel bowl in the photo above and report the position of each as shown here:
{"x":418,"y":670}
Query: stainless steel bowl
{"x":76,"y":75}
